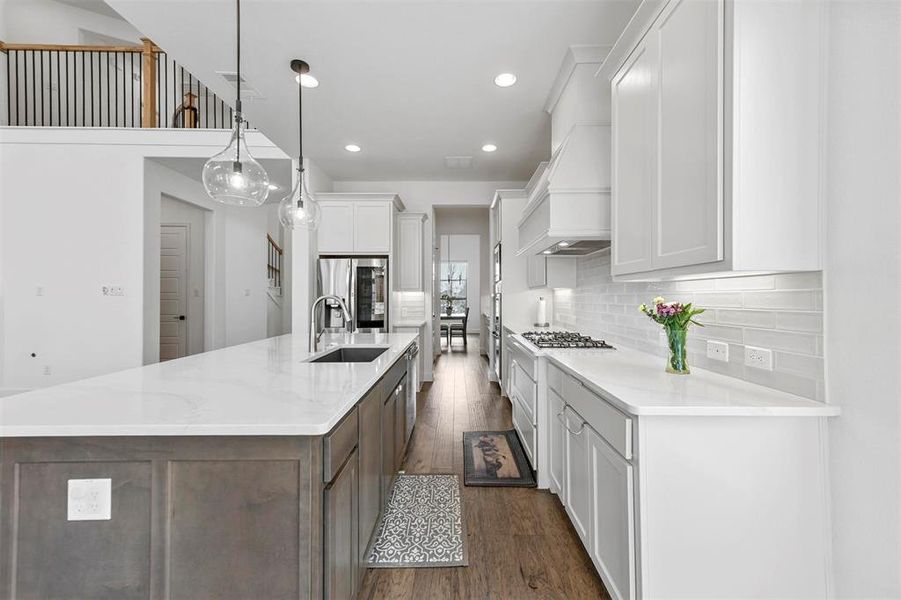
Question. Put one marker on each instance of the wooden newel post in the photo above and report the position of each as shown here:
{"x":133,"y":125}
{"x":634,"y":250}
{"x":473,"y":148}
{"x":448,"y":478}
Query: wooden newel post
{"x":148,"y":100}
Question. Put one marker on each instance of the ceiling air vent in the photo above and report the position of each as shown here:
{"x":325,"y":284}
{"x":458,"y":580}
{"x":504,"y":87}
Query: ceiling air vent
{"x":458,"y":162}
{"x":248,"y":92}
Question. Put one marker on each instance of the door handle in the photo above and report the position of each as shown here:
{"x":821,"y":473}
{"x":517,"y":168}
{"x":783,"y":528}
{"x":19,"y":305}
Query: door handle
{"x":181,"y":317}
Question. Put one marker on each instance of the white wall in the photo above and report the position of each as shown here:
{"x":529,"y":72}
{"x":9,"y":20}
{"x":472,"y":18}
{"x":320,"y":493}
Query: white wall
{"x":246,"y":283}
{"x":49,"y":22}
{"x":863,"y":265}
{"x":63,"y":237}
{"x":94,"y":222}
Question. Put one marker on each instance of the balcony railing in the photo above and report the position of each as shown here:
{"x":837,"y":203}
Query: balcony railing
{"x":274,"y":263}
{"x":50,"y":85}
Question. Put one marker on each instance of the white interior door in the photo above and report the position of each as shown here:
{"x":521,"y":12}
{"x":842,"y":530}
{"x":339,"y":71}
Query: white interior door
{"x":173,"y":291}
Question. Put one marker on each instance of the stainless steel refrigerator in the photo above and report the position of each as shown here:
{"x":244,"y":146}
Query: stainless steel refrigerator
{"x":362,"y":282}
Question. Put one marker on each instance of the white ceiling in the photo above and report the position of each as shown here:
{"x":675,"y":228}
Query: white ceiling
{"x":409,"y":81}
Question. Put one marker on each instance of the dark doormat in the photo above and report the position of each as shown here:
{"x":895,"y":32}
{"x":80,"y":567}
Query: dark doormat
{"x":495,"y":458}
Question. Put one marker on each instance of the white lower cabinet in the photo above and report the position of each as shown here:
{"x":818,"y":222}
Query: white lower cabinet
{"x":523,"y":424}
{"x":612,"y":546}
{"x":577,"y":469}
{"x":556,"y":445}
{"x":690,"y":506}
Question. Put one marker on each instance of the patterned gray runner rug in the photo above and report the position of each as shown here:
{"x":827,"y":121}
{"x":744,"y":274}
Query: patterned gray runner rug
{"x":422,"y":525}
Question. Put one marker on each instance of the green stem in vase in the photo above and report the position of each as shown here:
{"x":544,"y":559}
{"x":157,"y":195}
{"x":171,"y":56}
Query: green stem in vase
{"x":678,"y":358}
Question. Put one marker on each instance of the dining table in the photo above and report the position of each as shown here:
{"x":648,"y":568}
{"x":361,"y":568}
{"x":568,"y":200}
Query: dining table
{"x":450,"y":319}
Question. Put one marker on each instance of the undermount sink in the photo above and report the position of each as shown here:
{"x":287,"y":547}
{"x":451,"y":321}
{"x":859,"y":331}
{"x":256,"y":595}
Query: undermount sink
{"x":350,"y":354}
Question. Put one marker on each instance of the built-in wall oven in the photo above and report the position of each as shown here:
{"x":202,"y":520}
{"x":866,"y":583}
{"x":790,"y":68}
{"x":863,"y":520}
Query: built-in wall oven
{"x":496,"y":338}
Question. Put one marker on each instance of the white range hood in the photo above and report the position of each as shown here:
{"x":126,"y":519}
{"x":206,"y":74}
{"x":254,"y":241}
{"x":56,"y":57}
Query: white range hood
{"x":568,"y":211}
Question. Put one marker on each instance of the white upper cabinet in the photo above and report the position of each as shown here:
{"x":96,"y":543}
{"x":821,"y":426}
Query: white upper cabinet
{"x":372,"y":227}
{"x":688,"y":208}
{"x":336,"y":227}
{"x":634,"y":94}
{"x":357,"y":223}
{"x":409,"y":254}
{"x":717,"y":152}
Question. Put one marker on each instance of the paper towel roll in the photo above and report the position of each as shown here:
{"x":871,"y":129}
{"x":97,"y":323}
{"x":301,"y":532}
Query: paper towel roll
{"x":542,"y":312}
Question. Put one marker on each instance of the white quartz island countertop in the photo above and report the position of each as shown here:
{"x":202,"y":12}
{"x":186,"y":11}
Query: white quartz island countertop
{"x":260,"y":388}
{"x":637,"y":383}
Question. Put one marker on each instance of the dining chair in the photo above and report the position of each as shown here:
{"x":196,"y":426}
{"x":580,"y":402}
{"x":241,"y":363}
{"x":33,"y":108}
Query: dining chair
{"x":459,"y":329}
{"x":445,"y":333}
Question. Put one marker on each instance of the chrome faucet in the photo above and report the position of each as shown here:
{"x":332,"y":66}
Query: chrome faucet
{"x":315,"y":335}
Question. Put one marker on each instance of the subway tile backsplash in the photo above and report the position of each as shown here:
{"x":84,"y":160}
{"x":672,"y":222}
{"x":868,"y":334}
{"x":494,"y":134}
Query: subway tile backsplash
{"x":782,"y":312}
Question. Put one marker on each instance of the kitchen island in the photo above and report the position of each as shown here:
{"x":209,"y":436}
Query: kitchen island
{"x":246,"y":472}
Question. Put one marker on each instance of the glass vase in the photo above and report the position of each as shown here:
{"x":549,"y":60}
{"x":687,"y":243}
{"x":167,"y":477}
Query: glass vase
{"x":678,"y":358}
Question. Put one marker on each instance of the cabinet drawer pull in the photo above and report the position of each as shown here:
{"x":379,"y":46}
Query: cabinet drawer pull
{"x":562,"y":419}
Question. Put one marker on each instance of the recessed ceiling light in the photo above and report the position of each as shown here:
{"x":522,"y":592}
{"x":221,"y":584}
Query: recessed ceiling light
{"x":489,"y":148}
{"x":505,"y":80}
{"x":307,"y":80}
{"x":548,"y":252}
{"x":272,"y":186}
{"x":563,"y":244}
{"x":352,"y":148}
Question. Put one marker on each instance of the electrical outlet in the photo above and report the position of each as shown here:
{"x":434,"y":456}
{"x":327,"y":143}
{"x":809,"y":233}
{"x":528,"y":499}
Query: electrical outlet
{"x":90,"y":500}
{"x":404,"y":311}
{"x":48,"y":370}
{"x":759,"y":358}
{"x":39,"y":290}
{"x":718,"y":350}
{"x":112,"y":290}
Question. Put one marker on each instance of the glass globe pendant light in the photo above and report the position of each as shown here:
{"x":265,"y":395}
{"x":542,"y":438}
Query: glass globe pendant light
{"x":233,"y":176}
{"x":299,"y":210}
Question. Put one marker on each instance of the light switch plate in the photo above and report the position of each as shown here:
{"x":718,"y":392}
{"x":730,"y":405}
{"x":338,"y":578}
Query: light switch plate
{"x":718,"y":350}
{"x":90,"y":499}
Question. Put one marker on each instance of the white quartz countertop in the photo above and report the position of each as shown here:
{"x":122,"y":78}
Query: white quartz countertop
{"x":636,"y":383}
{"x":260,"y":388}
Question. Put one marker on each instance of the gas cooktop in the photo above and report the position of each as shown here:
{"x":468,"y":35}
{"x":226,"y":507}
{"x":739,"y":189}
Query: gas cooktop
{"x":564,"y":339}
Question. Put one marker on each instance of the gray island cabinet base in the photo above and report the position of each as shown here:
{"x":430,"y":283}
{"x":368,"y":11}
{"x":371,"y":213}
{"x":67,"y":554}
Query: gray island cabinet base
{"x":197,"y":517}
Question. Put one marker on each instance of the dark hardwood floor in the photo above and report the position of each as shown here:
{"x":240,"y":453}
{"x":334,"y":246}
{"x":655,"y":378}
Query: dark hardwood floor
{"x":521,"y":544}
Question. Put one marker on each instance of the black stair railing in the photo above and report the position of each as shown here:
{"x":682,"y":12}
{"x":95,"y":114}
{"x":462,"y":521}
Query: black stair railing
{"x":50,"y":85}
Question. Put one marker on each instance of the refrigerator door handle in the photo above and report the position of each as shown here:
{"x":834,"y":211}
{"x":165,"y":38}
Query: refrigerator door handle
{"x":352,"y":292}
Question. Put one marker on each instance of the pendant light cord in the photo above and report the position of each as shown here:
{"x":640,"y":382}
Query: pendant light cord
{"x":300,"y":126}
{"x":238,"y":117}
